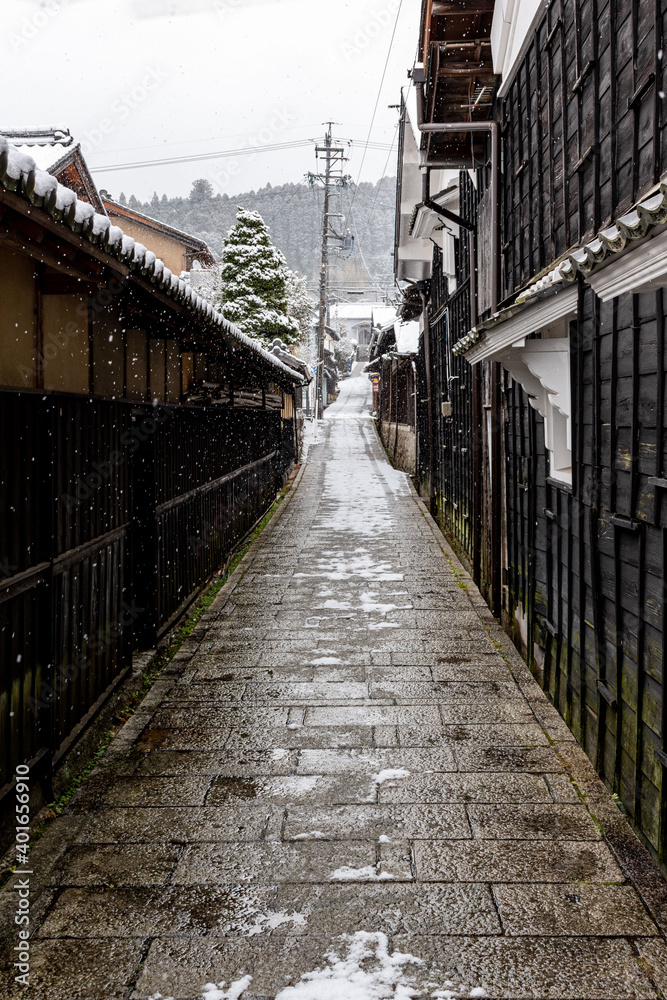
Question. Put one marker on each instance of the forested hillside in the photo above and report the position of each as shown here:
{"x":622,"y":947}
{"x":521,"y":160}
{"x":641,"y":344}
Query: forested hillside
{"x":293,"y":213}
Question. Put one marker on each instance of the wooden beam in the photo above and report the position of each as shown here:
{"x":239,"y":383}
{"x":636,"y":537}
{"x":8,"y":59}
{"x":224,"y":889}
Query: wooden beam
{"x":52,"y":284}
{"x":465,"y":69}
{"x":462,"y":8}
{"x":40,"y":254}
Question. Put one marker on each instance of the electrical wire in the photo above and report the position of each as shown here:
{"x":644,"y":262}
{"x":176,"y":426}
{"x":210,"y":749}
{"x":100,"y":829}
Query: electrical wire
{"x":299,"y":187}
{"x":241,"y":151}
{"x":384,"y":174}
{"x":379,"y":94}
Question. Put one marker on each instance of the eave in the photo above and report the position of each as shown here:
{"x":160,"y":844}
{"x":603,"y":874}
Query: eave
{"x":80,"y":239}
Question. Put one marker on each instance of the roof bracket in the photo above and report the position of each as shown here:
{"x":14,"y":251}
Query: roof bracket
{"x":444,"y":213}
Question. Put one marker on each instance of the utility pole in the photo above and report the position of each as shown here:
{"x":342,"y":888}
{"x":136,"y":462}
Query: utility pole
{"x":333,"y":152}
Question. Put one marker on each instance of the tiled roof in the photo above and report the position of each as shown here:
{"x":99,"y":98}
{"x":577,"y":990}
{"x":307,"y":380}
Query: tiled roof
{"x":634,"y":226}
{"x":115,"y":208}
{"x":19,"y":174}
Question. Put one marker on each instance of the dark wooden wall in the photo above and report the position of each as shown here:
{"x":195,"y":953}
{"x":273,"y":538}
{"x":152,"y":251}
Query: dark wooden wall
{"x":468,"y":475}
{"x":584,"y":136}
{"x":111,"y":517}
{"x":586,"y":566}
{"x":583,"y":128}
{"x":396,"y":392}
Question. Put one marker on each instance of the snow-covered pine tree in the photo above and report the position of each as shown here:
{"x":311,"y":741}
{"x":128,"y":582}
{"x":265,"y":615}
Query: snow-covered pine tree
{"x":300,"y":306}
{"x":254,"y":282}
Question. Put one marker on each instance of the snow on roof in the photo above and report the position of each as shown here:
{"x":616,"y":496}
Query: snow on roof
{"x":383,"y":315}
{"x":407,"y":337}
{"x":44,"y":156}
{"x":46,"y":146}
{"x":115,"y":208}
{"x":353,"y":310}
{"x":19,"y":172}
{"x":634,"y":225}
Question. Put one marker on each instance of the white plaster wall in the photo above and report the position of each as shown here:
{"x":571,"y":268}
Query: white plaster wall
{"x":512,"y":24}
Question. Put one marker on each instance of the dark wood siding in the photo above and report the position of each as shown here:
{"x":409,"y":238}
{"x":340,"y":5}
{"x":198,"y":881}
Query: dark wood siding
{"x":583,"y":128}
{"x":586,"y":566}
{"x":114,"y":515}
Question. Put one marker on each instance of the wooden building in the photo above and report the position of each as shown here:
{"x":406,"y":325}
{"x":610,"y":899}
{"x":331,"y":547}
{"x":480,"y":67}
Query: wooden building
{"x":178,"y":250}
{"x":542,"y":360}
{"x":392,"y":368}
{"x":143,"y":436}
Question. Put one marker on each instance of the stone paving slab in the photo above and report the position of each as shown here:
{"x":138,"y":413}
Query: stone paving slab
{"x":226,"y":762}
{"x":272,"y":862}
{"x":508,"y":968}
{"x":527,"y":734}
{"x":117,"y":864}
{"x":541,"y":760}
{"x":397,"y":908}
{"x":375,"y":761}
{"x":326,"y":789}
{"x":506,"y":861}
{"x":346,"y":745}
{"x":370,"y":822}
{"x":528,"y":822}
{"x":139,"y":825}
{"x":468,"y":787}
{"x":557,"y":910}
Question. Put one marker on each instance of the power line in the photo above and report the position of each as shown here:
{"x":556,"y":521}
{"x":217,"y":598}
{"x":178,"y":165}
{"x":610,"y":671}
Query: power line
{"x":241,"y":151}
{"x":234,"y":135}
{"x":377,"y":100}
{"x":377,"y":192}
{"x":299,"y":187}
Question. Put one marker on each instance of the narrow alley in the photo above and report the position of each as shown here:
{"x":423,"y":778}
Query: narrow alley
{"x":347,"y":786}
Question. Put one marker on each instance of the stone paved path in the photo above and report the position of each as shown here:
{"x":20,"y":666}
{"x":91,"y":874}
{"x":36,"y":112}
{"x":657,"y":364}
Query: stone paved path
{"x":344,"y":749}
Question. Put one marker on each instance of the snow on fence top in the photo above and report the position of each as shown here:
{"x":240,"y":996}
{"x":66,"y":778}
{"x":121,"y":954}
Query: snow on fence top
{"x":19,"y":173}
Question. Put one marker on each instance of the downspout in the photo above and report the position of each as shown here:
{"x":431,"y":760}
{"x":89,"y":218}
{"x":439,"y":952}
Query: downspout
{"x":429,"y":407}
{"x":429,"y":403}
{"x":415,"y":383}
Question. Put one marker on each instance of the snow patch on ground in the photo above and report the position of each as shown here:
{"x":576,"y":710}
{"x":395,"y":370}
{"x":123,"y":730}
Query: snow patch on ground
{"x":369,"y":873}
{"x":292,"y":783}
{"x":382,"y":609}
{"x":389,"y":773}
{"x":324,"y":661}
{"x":367,"y":972}
{"x":213,"y":992}
{"x":359,"y":563}
{"x":309,"y":437}
{"x":269,"y":921}
{"x":311,"y":833}
{"x":348,"y":874}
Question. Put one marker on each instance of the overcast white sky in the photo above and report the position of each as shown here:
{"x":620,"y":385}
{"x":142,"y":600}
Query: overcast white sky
{"x":147,"y":79}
